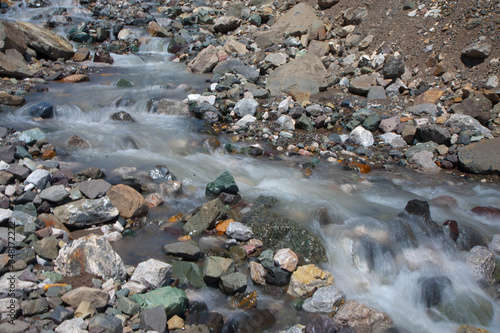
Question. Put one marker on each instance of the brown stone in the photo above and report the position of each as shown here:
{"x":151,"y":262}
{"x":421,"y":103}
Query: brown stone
{"x":12,"y":100}
{"x":128,"y":201}
{"x":81,"y":54}
{"x":52,"y":221}
{"x":155,"y":30}
{"x":430,"y":96}
{"x":98,"y":298}
{"x":76,"y":78}
{"x":361,"y":318}
{"x":205,"y":61}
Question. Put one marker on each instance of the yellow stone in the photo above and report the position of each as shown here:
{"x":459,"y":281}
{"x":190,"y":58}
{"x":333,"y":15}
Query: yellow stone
{"x":307,"y":279}
{"x":85,"y":309}
{"x":471,"y":329}
{"x":175,"y":323}
{"x":184,"y":238}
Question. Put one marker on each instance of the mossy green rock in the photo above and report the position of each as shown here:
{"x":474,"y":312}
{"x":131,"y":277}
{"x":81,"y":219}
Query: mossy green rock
{"x":122,"y":83}
{"x":224,"y":183}
{"x":188,"y":272}
{"x":174,"y":300}
{"x":469,"y":309}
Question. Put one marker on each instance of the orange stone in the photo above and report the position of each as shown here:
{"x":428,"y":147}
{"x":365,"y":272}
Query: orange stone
{"x":75,"y":78}
{"x":176,"y":218}
{"x":52,"y":221}
{"x":184,"y":238}
{"x":47,"y":286}
{"x":154,"y":200}
{"x":430,"y":96}
{"x":222,"y":226}
{"x":49,"y":154}
{"x":245,"y":301}
{"x":362,"y":168}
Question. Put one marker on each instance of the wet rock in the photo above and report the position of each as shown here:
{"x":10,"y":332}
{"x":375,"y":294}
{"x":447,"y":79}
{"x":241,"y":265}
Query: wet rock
{"x":480,"y":157}
{"x":324,"y":300}
{"x":122,"y":116}
{"x":153,"y":272}
{"x":246,"y":106}
{"x":362,"y":137}
{"x":211,"y":320}
{"x":81,"y":54}
{"x":239,"y":231}
{"x":393,"y":67}
{"x":92,"y":254}
{"x":89,"y":173}
{"x":258,"y":272}
{"x":277,"y":276}
{"x":286,"y":259}
{"x":306,"y":73}
{"x":47,"y":248}
{"x":482,"y":263}
{"x":205,"y":61}
{"x":432,"y":289}
{"x":55,"y":193}
{"x":233,"y":283}
{"x":185,"y":250}
{"x":128,"y":201}
{"x":155,"y":30}
{"x":160,"y":174}
{"x":306,"y":279}
{"x":154,"y":319}
{"x":468,"y":308}
{"x":105,"y":323}
{"x":237,"y":66}
{"x":205,"y":217}
{"x":173,"y":300}
{"x":11,"y":37}
{"x":216,"y":267}
{"x":103,"y":56}
{"x":478,"y":49}
{"x":256,"y":320}
{"x":86,"y":212}
{"x":12,"y":64}
{"x":94,"y":188}
{"x":75,"y":78}
{"x":46,"y":42}
{"x":39,"y":178}
{"x":188,"y":273}
{"x":321,"y":324}
{"x":225,"y":24}
{"x":361,"y":318}
{"x":98,"y":298}
{"x":32,"y":135}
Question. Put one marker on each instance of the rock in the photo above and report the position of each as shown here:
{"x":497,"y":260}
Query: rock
{"x":205,"y":217}
{"x":361,"y":318}
{"x":34,"y":306}
{"x":154,"y":319}
{"x":160,"y":174}
{"x":12,"y":100}
{"x":324,"y":300}
{"x":122,"y":116}
{"x":258,"y":272}
{"x":376,"y":93}
{"x":233,"y":283}
{"x":98,"y":298}
{"x":299,"y":20}
{"x":477,"y":106}
{"x":233,"y":46}
{"x":81,"y":54}
{"x":306,"y":73}
{"x":256,"y":320}
{"x":361,"y":84}
{"x":92,"y":254}
{"x":185,"y":250}
{"x":89,"y":173}
{"x":277,"y":276}
{"x":277,"y":231}
{"x":237,"y":66}
{"x":327,"y":3}
{"x":493,"y":82}
{"x":11,"y":37}
{"x":306,"y":279}
{"x":286,"y":259}
{"x":276,"y":59}
{"x":427,"y":146}
{"x":128,"y":201}
{"x":55,"y":193}
{"x":430,"y":96}
{"x":212,"y":321}
{"x":173,"y":300}
{"x":393,"y":67}
{"x":245,"y":120}
{"x":7,"y":153}
{"x":6,"y":178}
{"x":155,"y":30}
{"x":205,"y":61}
{"x":86,"y":212}
{"x":433,"y":289}
{"x":495,"y":244}
{"x":478,"y":49}
{"x":246,"y":106}
{"x":467,"y":307}
{"x":480,"y":157}
{"x":216,"y":267}
{"x":60,"y":314}
{"x":225,"y":24}
{"x":435,"y":133}
{"x":39,"y":178}
{"x":319,"y":49}
{"x":21,"y":218}
{"x":239,"y":231}
{"x":103,"y":56}
{"x":427,"y":108}
{"x":32,"y":135}
{"x":153,"y":273}
{"x":94,"y":188}
{"x":482,"y":263}
{"x":75,"y":325}
{"x":321,"y":324}
{"x":105,"y":324}
{"x":354,"y":16}
{"x":12,"y":64}
{"x":46,"y":42}
{"x":362,"y":137}
{"x":47,"y":248}
{"x":395,"y":140}
{"x":389,"y":124}
{"x":75,"y":78}
{"x":175,"y":323}
{"x":188,"y":273}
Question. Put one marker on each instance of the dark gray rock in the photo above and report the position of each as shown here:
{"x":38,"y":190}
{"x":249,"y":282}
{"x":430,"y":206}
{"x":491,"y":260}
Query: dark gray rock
{"x":224,"y":183}
{"x":160,"y":174}
{"x":481,"y":157}
{"x":122,"y":116}
{"x":372,"y":122}
{"x":393,"y":67}
{"x":427,"y":108}
{"x":477,"y":106}
{"x":6,"y":178}
{"x":296,"y":112}
{"x":355,"y":16}
{"x":55,"y":193}
{"x":257,"y":320}
{"x":60,"y":314}
{"x":94,"y":188}
{"x":237,"y":66}
{"x":205,"y":217}
{"x":233,"y":283}
{"x":321,"y":324}
{"x":154,"y":319}
{"x":35,"y":306}
{"x":215,"y":267}
{"x":434,"y":133}
{"x":185,"y":250}
{"x":7,"y":153}
{"x":105,"y":324}
{"x":305,"y":123}
{"x":478,"y":49}
{"x":43,"y":110}
{"x":89,"y":173}
{"x":277,"y":276}
{"x":212,"y":320}
{"x":327,"y":3}
{"x":47,"y":248}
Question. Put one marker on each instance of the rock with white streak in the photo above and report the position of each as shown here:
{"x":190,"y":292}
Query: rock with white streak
{"x":39,"y":178}
{"x":86,"y":212}
{"x":362,"y":137}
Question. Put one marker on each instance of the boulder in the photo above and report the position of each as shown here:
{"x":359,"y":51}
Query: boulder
{"x":11,"y":37}
{"x":34,"y":306}
{"x":468,"y":123}
{"x":173,"y":300}
{"x":128,"y":201}
{"x":185,"y":250}
{"x":354,"y":16}
{"x":97,"y":297}
{"x":46,"y":42}
{"x":154,"y":319}
{"x":362,"y":318}
{"x":105,"y":323}
{"x":306,"y":279}
{"x":86,"y":212}
{"x":153,"y":273}
{"x":47,"y":248}
{"x":480,"y":157}
{"x":481,"y":262}
{"x":324,"y":300}
{"x":435,"y":133}
{"x":425,"y":162}
{"x":205,"y":217}
{"x":233,"y":46}
{"x":477,"y":106}
{"x":297,"y":21}
{"x":306,"y":73}
{"x":12,"y":64}
{"x":205,"y":61}
{"x":92,"y":254}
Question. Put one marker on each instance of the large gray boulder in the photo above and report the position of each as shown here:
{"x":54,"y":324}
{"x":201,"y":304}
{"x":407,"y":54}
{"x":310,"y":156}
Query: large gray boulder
{"x":46,"y":42}
{"x":12,"y":63}
{"x":86,"y":212}
{"x":11,"y":37}
{"x":481,"y":157}
{"x":306,"y":73}
{"x":92,"y":254}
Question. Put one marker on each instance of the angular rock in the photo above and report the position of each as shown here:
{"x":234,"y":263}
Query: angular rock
{"x":6,"y":178}
{"x":188,"y":273}
{"x":286,"y":259}
{"x":47,"y":248}
{"x":362,"y":137}
{"x":306,"y":279}
{"x":39,"y":178}
{"x":322,"y":324}
{"x":435,"y":133}
{"x":46,"y":42}
{"x":60,"y":314}
{"x":216,"y":267}
{"x":212,"y":321}
{"x":246,"y":106}
{"x":237,"y":66}
{"x":362,"y":84}
{"x":13,"y":100}
{"x":225,"y":24}
{"x":12,"y":63}
{"x":11,"y":37}
{"x":185,"y":250}
{"x":478,"y":49}
{"x":361,"y":318}
{"x":128,"y":201}
{"x":86,"y":212}
{"x":424,"y":161}
{"x":482,"y":263}
{"x":153,"y":272}
{"x":205,"y":217}
{"x":324,"y":300}
{"x":389,"y":124}
{"x":393,"y":67}
{"x":43,"y":110}
{"x":7,"y":153}
{"x":97,"y":297}
{"x":427,"y":108}
{"x":477,"y":106}
{"x":354,"y":16}
{"x":105,"y":324}
{"x":239,"y":231}
{"x":327,"y":3}
{"x":205,"y":61}
{"x":160,"y":174}
{"x":299,"y":20}
{"x":480,"y":157}
{"x":34,"y":306}
{"x":427,"y":146}
{"x":277,"y":276}
{"x":276,"y":59}
{"x":154,"y":319}
{"x":55,"y":193}
{"x":233,"y":283}
{"x":376,"y":93}
{"x":467,"y":123}
{"x":75,"y":325}
{"x":258,"y":272}
{"x":92,"y":254}
{"x":32,"y":135}
{"x":306,"y":73}
{"x":94,"y":188}
{"x":233,"y":46}
{"x":173,"y":300}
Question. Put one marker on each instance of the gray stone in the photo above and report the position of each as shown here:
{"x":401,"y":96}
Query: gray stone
{"x":301,"y":19}
{"x":361,"y":84}
{"x":11,"y":37}
{"x":277,"y":59}
{"x":467,"y":307}
{"x":92,"y":254}
{"x":153,"y":272}
{"x":12,"y":64}
{"x":481,"y":157}
{"x":94,"y":188}
{"x":376,"y":92}
{"x":434,"y":133}
{"x":75,"y":325}
{"x":427,"y":108}
{"x":46,"y":42}
{"x":43,"y":110}
{"x":7,"y":153}
{"x":237,"y":66}
{"x":427,"y":146}
{"x":205,"y":61}
{"x":47,"y":248}
{"x":305,"y":73}
{"x":225,"y":24}
{"x":127,"y":306}
{"x":477,"y":106}
{"x":304,"y":122}
{"x":6,"y":178}
{"x":234,"y":282}
{"x":246,"y":106}
{"x":60,"y":314}
{"x":327,"y":3}
{"x":185,"y":250}
{"x":97,"y":297}
{"x":205,"y":217}
{"x":493,"y":82}
{"x":224,"y":183}
{"x":34,"y":306}
{"x":393,"y":67}
{"x":54,"y":193}
{"x":362,"y":318}
{"x":16,"y":326}
{"x":86,"y":212}
{"x":20,"y":218}
{"x":467,"y":123}
{"x":481,"y":262}
{"x":5,"y":215}
{"x":39,"y":178}
{"x":354,"y":16}
{"x":372,"y":122}
{"x":389,"y":124}
{"x":89,"y":173}
{"x":239,"y":231}
{"x":424,"y":161}
{"x":154,"y":319}
{"x":105,"y":324}
{"x":478,"y":49}
{"x":323,"y":323}
{"x":215,"y":267}
{"x":324,"y":300}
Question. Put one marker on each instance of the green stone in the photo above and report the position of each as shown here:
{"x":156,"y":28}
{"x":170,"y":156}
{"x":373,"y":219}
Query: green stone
{"x":224,"y":183}
{"x":127,"y":306}
{"x":122,"y":83}
{"x":305,"y":122}
{"x":52,"y":276}
{"x":32,"y":135}
{"x":174,"y":300}
{"x":188,"y":273}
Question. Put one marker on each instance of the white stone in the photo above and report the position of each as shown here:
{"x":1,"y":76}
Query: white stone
{"x":153,"y":272}
{"x":4,"y":165}
{"x":113,"y":236}
{"x":210,"y":99}
{"x":118,"y":226}
{"x":39,"y":178}
{"x":246,"y":106}
{"x":239,"y":231}
{"x":284,"y":105}
{"x":75,"y":325}
{"x":286,"y":259}
{"x":277,"y":59}
{"x":10,"y":190}
{"x":5,"y":214}
{"x":20,"y":285}
{"x":362,"y":137}
{"x":286,"y":122}
{"x":393,"y":139}
{"x":247,"y":119}
{"x":481,"y":262}
{"x":135,"y":287}
{"x":193,"y":97}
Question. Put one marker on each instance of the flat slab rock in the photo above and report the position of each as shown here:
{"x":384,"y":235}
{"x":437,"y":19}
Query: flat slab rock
{"x":480,"y":158}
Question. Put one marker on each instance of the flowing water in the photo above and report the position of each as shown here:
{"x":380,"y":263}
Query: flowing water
{"x":373,"y":259}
